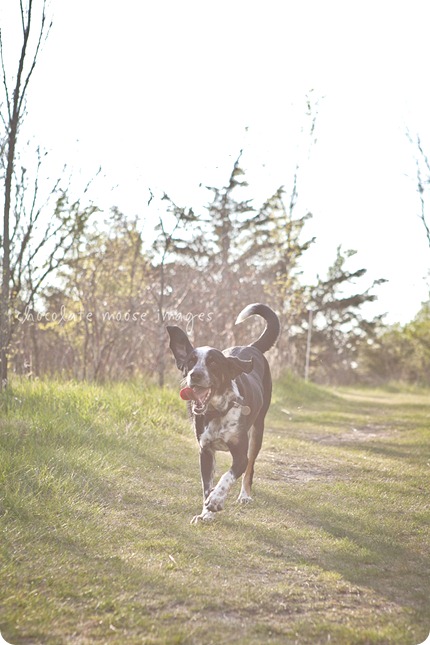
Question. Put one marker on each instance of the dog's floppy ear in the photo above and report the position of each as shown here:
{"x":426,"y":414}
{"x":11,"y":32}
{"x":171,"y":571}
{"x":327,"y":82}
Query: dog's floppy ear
{"x":180,"y":345}
{"x":238,"y":366}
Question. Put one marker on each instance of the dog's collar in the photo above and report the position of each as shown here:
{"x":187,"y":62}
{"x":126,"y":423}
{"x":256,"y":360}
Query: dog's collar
{"x":238,"y":402}
{"x":217,"y":414}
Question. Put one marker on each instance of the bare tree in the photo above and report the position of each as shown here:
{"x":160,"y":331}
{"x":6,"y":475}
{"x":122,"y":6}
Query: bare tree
{"x":39,"y":232}
{"x":12,"y":116}
{"x":423,"y":179}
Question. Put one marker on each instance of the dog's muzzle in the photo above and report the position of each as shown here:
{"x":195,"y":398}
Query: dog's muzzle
{"x":199,"y":397}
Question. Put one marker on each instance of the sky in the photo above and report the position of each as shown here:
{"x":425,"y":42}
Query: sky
{"x":165,"y":94}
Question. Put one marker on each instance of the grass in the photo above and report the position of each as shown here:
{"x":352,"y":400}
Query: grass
{"x":98,"y":485}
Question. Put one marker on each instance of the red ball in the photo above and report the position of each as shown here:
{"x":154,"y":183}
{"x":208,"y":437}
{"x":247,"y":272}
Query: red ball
{"x":187,"y":394}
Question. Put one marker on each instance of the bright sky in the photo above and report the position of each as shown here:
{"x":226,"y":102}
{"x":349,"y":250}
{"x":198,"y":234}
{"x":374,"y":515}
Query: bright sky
{"x":164,"y":94}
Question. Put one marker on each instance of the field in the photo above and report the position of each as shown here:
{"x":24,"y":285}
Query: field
{"x":98,"y":485}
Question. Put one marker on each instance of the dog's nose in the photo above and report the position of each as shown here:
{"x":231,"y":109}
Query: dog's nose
{"x":198,"y":377}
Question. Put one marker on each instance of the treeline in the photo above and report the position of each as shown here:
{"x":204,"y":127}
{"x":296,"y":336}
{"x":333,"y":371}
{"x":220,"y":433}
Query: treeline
{"x":399,"y":352}
{"x":104,"y":315}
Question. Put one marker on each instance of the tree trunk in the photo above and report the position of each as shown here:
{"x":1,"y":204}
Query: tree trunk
{"x":5,"y":288}
{"x":14,"y":113}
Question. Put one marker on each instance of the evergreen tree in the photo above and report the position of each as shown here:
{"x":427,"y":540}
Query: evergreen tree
{"x":338,"y":326}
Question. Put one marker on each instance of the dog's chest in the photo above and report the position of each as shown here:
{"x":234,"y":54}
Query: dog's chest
{"x":218,"y":433}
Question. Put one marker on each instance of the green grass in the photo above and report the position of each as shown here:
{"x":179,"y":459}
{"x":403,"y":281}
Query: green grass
{"x":98,"y":485}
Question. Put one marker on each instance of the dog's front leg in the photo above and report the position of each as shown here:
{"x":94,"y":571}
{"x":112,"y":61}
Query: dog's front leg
{"x":207,"y":470}
{"x":216,"y":500}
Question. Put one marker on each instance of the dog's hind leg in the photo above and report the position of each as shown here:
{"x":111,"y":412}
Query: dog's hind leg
{"x":255,"y":441}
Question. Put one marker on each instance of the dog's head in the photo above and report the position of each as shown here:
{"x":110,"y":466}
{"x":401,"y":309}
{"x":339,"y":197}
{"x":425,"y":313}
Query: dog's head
{"x":206,"y":370}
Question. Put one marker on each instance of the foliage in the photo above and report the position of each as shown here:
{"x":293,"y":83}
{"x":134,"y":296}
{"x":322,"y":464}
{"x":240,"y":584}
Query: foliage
{"x":400,"y":352}
{"x":95,"y":315}
{"x":339,"y":328}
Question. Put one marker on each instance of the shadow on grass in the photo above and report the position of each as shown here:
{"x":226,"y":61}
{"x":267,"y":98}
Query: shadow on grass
{"x":372,"y":558}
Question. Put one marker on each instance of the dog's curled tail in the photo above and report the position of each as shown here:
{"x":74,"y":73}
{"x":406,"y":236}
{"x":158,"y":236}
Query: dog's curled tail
{"x":270,"y":335}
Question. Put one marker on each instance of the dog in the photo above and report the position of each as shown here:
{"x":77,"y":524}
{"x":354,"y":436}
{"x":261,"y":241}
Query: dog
{"x":228,"y":395}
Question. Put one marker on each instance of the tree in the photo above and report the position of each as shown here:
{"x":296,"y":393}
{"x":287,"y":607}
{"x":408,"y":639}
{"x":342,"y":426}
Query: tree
{"x":226,"y":270}
{"x":423,"y":180}
{"x":163,"y":295}
{"x":399,"y":353}
{"x":279,"y":236}
{"x":338,"y":327}
{"x":39,"y":232}
{"x":103,"y":289}
{"x":12,"y":118}
{"x":239,"y":252}
{"x":198,"y":259}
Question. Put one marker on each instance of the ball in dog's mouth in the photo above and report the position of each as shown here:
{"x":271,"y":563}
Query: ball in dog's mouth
{"x":199,"y":397}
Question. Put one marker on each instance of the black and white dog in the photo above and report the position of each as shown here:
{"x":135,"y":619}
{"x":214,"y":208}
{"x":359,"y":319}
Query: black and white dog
{"x":229,"y":394}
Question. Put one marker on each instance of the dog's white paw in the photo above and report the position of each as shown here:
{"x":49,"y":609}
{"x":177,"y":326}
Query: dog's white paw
{"x":205,"y":516}
{"x":244,"y":498}
{"x":215,"y":502}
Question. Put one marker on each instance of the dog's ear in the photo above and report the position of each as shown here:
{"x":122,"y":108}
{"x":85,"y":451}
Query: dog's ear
{"x":237,"y":366}
{"x":180,"y":345}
